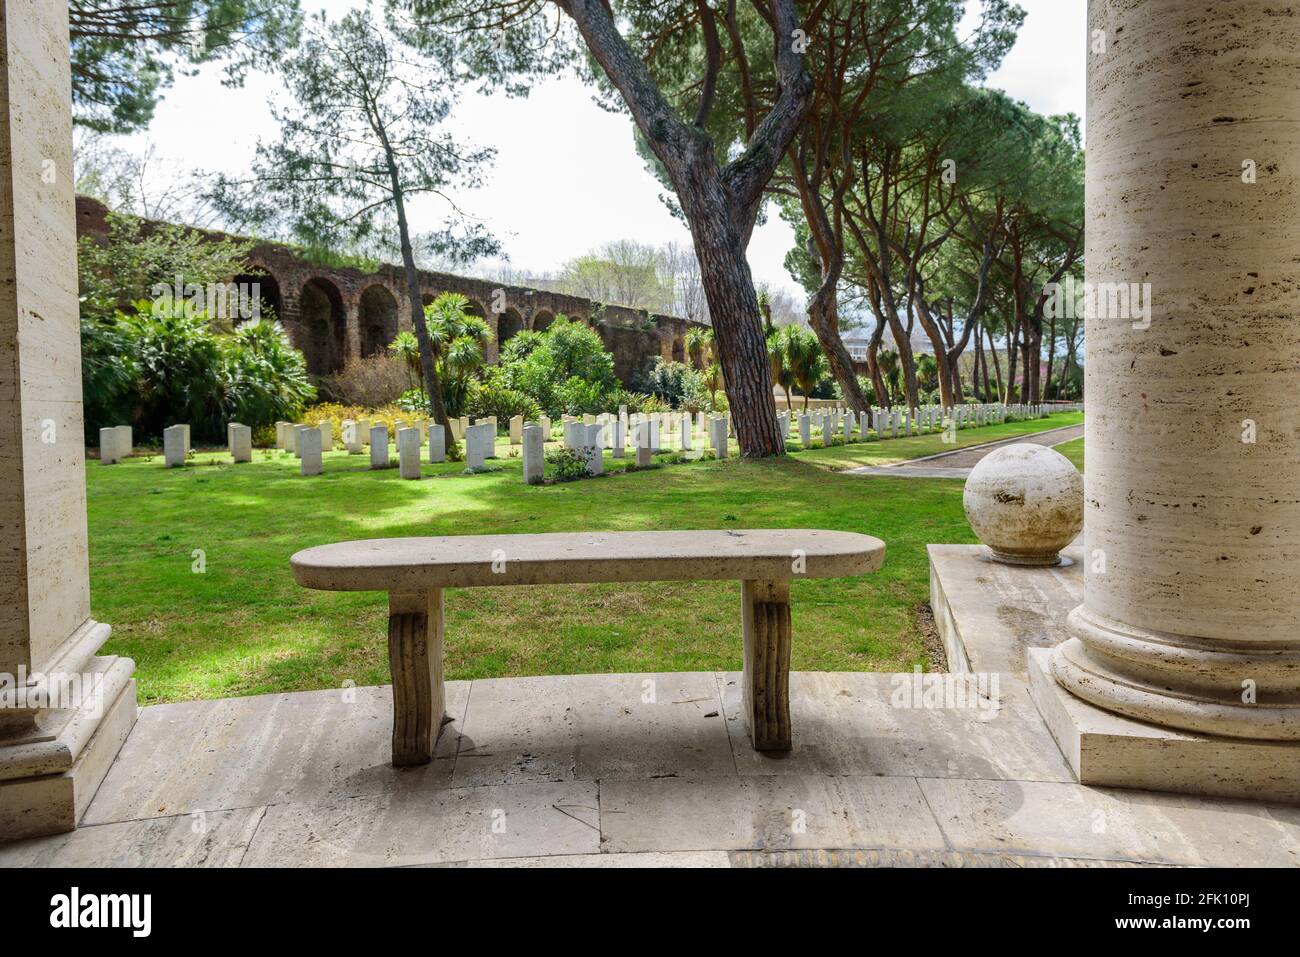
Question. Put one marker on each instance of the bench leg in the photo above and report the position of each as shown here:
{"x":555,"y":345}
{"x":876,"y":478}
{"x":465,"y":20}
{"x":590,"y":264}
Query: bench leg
{"x":765,"y":613}
{"x":415,"y":658}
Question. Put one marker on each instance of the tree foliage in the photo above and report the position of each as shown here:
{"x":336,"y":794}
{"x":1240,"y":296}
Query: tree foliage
{"x":126,"y":52}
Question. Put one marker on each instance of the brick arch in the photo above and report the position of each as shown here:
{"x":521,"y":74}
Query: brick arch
{"x":377,"y":312}
{"x":508,"y":324}
{"x":679,"y":349}
{"x":321,"y":329}
{"x":269,"y":295}
{"x":542,"y":320}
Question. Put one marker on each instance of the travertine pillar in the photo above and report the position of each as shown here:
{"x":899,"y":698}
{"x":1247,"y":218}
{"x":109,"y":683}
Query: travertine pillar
{"x":51,"y":758}
{"x":1191,"y":612}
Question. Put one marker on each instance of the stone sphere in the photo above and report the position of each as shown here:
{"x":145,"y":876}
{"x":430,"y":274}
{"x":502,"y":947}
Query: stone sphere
{"x":1025,"y":502}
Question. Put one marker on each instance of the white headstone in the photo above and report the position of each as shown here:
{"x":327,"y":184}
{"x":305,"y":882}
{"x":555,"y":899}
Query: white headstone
{"x":620,"y":436}
{"x":592,"y":449}
{"x":174,"y":446}
{"x":534,"y":453}
{"x":309,"y":444}
{"x":718,"y":430}
{"x":379,"y":446}
{"x":684,"y":439}
{"x":641,"y":437}
{"x":516,"y":429}
{"x":326,"y":437}
{"x":437,"y":443}
{"x":408,"y":453}
{"x":241,"y":442}
{"x":351,"y":436}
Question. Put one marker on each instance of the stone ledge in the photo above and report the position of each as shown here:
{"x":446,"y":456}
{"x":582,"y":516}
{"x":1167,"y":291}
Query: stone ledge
{"x":988,"y":614}
{"x":54,"y":803}
{"x":1108,"y":750}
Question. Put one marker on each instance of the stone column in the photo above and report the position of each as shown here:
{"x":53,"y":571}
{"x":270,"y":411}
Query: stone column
{"x":64,"y":711}
{"x":1191,"y":611}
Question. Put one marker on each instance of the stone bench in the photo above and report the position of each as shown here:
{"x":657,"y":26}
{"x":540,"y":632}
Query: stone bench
{"x":414,"y":571}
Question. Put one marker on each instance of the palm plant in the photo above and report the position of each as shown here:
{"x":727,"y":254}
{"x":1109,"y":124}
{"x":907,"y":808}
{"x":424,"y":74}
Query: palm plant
{"x":806,"y":360}
{"x":891,"y":371}
{"x":407,"y":348}
{"x":778,"y":352}
{"x":698,"y":345}
{"x":459,"y":342}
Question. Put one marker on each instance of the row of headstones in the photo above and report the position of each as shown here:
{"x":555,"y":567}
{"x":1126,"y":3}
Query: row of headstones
{"x":309,"y":442}
{"x":588,"y":435}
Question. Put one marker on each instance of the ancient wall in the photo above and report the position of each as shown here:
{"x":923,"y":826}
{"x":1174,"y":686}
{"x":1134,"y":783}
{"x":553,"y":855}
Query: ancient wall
{"x":335,"y":313}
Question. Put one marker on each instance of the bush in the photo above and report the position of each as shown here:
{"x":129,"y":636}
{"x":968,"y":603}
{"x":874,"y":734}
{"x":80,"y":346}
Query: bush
{"x":372,"y":382}
{"x":566,"y":465}
{"x":565,"y":369}
{"x":335,"y":414}
{"x":161,"y":366}
{"x":493,"y":397}
{"x":636,"y":402}
{"x":678,"y":385}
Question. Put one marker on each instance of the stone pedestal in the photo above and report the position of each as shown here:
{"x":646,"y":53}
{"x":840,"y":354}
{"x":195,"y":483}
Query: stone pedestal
{"x":1190,"y":620}
{"x":65,"y":711}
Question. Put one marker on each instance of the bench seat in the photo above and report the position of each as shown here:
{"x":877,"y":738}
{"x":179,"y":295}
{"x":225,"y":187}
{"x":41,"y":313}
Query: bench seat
{"x":414,"y":571}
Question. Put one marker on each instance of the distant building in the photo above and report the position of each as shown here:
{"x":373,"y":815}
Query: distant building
{"x":857,"y":340}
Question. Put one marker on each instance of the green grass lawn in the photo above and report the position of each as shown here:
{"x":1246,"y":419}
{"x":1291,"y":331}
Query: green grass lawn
{"x":1073,"y":451}
{"x":241,"y":626}
{"x":899,"y":450}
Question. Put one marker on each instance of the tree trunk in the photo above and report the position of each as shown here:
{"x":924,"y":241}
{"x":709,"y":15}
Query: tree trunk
{"x":427,"y":364}
{"x":720,"y":205}
{"x":1013,"y":353}
{"x":737,"y":330}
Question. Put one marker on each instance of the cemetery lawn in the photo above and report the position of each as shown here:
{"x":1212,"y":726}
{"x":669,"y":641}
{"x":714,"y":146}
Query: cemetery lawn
{"x":230,"y":621}
{"x":897,"y":450}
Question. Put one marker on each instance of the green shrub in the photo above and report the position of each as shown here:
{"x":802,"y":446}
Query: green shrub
{"x":566,"y":465}
{"x":174,"y":366}
{"x":493,"y":397}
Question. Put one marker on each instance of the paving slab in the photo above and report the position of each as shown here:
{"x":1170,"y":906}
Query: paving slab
{"x":710,"y":859}
{"x":988,"y":613}
{"x":217,"y":839}
{"x":903,"y":857}
{"x":848,"y":723}
{"x":266,"y":749}
{"x":786,"y":812}
{"x":1070,"y":820}
{"x":431,"y":827}
{"x":592,"y":727}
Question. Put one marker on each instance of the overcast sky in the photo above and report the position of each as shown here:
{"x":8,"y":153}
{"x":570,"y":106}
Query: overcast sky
{"x":567,"y":176}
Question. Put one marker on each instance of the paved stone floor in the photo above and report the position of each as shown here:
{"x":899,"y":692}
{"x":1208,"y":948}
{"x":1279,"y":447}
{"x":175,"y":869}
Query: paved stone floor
{"x":610,"y":770}
{"x":958,"y":463}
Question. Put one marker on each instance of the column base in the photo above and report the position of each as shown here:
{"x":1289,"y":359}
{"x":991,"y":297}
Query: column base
{"x":1105,"y":749}
{"x":1180,"y":682}
{"x":48,"y":778}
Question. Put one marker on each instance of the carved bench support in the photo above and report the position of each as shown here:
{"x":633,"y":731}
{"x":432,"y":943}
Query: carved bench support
{"x":415,"y":657}
{"x":765,"y":613}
